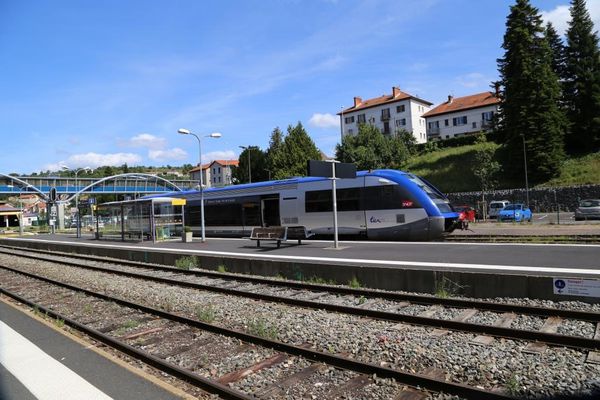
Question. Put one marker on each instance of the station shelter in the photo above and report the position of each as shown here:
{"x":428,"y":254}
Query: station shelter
{"x":9,"y":216}
{"x":152,"y":219}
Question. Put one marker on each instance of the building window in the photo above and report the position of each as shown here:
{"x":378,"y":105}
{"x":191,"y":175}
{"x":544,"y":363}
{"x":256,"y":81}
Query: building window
{"x":401,"y":108}
{"x":385,"y":113}
{"x":435,"y":124}
{"x":474,"y":125}
{"x":350,"y":131}
{"x":458,"y":121}
{"x":445,"y":122}
{"x":219,"y":169}
{"x":487,"y":116}
{"x":214,"y":171}
{"x":349,"y":120}
{"x":386,"y":127}
{"x":401,"y":122}
{"x":362,"y":118}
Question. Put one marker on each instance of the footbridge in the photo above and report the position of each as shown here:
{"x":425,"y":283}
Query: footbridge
{"x":68,"y":188}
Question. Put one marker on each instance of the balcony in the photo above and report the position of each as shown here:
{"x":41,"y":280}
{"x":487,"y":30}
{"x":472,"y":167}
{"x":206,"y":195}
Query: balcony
{"x":485,"y":124}
{"x":433,"y":131}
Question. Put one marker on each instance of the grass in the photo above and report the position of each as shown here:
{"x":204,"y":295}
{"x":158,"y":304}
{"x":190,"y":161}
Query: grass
{"x":354,"y":283}
{"x":445,"y":288}
{"x":187,"y":262}
{"x":261,"y":328}
{"x":206,"y":313}
{"x":317,"y":280}
{"x":450,"y":170}
{"x":129,"y":324}
{"x":222,"y":268}
{"x":512,"y":385}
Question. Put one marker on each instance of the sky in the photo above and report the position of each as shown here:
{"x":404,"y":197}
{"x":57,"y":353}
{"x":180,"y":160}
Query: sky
{"x":90,"y":83}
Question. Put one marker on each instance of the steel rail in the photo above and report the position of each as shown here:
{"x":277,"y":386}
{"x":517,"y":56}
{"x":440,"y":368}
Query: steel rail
{"x":496,"y":331}
{"x":410,"y":379}
{"x":185,"y":375}
{"x":394,"y":296}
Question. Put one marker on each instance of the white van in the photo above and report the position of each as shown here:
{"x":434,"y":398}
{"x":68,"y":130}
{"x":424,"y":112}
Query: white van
{"x":495,"y":207}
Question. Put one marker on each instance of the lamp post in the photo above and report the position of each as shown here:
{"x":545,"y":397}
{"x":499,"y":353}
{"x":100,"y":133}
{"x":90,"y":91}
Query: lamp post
{"x":249,"y":171}
{"x":525,"y":163}
{"x":212,"y":135}
{"x":77,"y":171}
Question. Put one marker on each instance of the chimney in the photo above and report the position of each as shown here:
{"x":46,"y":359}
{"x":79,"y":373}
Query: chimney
{"x":450,"y":98}
{"x":357,"y":101}
{"x":395,"y":92}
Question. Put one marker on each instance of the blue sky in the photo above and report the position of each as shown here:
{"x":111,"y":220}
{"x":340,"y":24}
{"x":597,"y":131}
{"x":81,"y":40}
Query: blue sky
{"x":88,"y":83}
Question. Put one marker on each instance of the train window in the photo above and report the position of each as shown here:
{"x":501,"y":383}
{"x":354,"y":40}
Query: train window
{"x":354,"y":199}
{"x":251,"y":214}
{"x":223,"y":214}
{"x":388,"y":197}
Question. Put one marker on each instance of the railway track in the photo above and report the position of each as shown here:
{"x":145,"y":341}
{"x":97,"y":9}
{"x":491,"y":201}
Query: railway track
{"x":565,"y":239}
{"x":365,"y":303}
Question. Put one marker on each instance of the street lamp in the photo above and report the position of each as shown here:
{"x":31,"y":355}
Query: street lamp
{"x":525,"y":163}
{"x":249,"y":172}
{"x":215,"y":135}
{"x":77,"y":171}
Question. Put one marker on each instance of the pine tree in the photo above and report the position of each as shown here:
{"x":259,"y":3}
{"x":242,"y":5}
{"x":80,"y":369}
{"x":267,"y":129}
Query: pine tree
{"x":582,"y":86}
{"x":530,"y":112}
{"x":275,"y":157}
{"x":558,"y":52}
{"x":298,"y":148}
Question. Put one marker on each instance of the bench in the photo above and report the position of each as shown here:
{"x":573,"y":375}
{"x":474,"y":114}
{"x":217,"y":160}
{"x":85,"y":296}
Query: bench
{"x":279,"y":234}
{"x":272,"y":233}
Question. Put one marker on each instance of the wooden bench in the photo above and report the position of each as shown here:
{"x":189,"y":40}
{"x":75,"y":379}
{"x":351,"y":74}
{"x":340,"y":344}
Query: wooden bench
{"x":279,"y":234}
{"x":272,"y":233}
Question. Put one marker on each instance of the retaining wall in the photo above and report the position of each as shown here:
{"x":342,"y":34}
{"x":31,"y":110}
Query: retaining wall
{"x":421,"y":280}
{"x":540,"y":199}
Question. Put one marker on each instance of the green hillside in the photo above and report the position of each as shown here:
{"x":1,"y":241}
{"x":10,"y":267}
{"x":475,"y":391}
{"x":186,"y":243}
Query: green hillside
{"x":451,"y":170}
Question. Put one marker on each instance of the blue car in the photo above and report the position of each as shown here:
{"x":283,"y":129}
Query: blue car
{"x":516,"y":213}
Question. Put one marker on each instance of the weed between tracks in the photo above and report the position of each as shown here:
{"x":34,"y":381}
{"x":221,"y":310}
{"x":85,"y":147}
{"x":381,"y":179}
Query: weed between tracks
{"x":187,"y":262}
{"x":263,"y":329}
{"x":206,"y":313}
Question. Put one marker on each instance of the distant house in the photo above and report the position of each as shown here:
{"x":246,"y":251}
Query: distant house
{"x":214,"y":174}
{"x":389,"y":113}
{"x":462,"y":116}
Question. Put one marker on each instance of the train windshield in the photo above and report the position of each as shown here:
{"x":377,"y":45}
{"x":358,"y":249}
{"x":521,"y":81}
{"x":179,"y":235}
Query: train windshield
{"x":431,"y":191}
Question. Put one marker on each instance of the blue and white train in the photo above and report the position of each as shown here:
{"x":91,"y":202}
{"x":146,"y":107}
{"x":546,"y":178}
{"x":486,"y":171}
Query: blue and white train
{"x":378,"y":205}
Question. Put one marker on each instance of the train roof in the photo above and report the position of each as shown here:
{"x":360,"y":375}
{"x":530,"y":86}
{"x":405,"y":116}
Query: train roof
{"x":385,"y":173}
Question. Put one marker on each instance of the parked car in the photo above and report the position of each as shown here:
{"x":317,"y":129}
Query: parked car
{"x":496,"y":206}
{"x":588,"y":209}
{"x":515,"y":212}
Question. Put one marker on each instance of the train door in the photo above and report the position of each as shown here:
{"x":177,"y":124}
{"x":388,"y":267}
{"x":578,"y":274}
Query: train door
{"x":270,"y":211}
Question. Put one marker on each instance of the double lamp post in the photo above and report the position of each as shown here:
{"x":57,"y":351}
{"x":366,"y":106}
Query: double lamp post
{"x":215,"y":135}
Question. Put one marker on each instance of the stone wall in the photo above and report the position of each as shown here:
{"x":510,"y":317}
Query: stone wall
{"x":540,"y":199}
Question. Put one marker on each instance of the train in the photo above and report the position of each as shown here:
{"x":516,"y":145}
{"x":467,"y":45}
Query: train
{"x":380,"y":204}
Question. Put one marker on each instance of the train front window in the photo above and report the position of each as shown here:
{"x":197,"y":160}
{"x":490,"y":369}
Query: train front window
{"x":431,"y":191}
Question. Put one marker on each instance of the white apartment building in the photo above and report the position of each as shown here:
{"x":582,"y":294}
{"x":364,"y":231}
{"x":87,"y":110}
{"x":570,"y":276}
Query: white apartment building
{"x":215,"y":174}
{"x":389,"y":113}
{"x":462,"y":115}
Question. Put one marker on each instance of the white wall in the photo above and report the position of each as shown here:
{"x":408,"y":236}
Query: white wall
{"x":473,"y":117}
{"x":413,"y":110}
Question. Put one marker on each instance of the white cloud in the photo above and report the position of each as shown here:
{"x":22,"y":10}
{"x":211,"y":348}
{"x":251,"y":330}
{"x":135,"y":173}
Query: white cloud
{"x":560,"y":15}
{"x":324,"y":120}
{"x":164,"y":155}
{"x":95,"y":160}
{"x":147,"y":140}
{"x":219,"y":155}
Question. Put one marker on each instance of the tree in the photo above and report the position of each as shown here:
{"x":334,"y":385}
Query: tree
{"x":531,"y":94}
{"x":370,"y":149}
{"x":275,"y":155}
{"x":582,"y":85}
{"x":558,"y":52}
{"x":257,"y":170}
{"x":287,"y":156}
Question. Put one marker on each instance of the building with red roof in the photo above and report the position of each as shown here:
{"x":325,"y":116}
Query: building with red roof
{"x":389,"y":113}
{"x":216,"y":173}
{"x":462,"y":116}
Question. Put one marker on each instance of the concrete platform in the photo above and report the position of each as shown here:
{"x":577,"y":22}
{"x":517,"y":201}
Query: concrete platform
{"x":39,"y":362}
